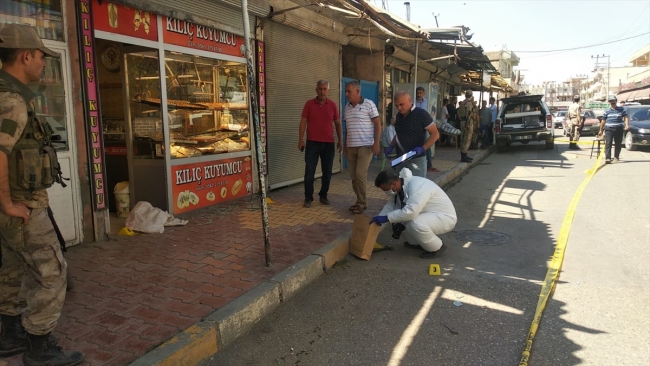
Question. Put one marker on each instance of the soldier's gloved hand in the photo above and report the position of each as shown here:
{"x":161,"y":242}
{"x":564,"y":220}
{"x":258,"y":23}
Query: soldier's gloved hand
{"x":418,"y":150}
{"x":389,"y":150}
{"x":379,"y":220}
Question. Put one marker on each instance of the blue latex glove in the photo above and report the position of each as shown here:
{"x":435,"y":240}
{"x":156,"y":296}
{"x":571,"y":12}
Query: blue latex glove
{"x":419,"y":150}
{"x":379,"y":220}
{"x":388,"y":150}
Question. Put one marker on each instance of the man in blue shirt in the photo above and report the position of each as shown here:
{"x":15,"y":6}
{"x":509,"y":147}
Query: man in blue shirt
{"x":614,"y":122}
{"x":420,"y":100}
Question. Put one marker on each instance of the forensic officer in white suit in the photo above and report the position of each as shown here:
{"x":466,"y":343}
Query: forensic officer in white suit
{"x":419,"y":208}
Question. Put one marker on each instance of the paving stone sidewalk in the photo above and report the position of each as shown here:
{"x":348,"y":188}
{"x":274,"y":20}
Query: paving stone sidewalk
{"x":134,"y":293}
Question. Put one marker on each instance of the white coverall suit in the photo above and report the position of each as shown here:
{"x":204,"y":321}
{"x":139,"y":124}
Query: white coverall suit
{"x":427,"y":212}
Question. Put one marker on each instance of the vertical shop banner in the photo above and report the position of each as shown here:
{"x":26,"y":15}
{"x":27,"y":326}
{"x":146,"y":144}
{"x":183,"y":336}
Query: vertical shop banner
{"x":186,"y":34}
{"x":119,"y":19}
{"x":91,"y":103}
{"x":261,"y":96}
{"x":199,"y":185}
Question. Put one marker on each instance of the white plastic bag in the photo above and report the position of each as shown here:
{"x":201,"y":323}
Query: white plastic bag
{"x":148,"y":219}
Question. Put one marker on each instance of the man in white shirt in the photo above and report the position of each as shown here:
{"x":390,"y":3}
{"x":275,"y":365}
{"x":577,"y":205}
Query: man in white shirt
{"x":363,"y":130}
{"x":419,"y":208}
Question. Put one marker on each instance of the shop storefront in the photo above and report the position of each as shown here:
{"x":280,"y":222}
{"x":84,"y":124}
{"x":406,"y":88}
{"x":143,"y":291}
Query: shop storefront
{"x":174,"y":109}
{"x":53,"y":103}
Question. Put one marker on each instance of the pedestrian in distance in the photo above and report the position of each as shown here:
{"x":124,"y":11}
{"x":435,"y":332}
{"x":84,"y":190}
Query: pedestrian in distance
{"x":493,"y":110}
{"x":416,"y":208}
{"x":320,"y":116}
{"x":486,"y":123}
{"x":468,"y":116}
{"x":614,"y":123}
{"x":420,"y":100}
{"x":411,"y":126}
{"x":575,"y":120}
{"x":33,"y":271}
{"x":363,"y":131}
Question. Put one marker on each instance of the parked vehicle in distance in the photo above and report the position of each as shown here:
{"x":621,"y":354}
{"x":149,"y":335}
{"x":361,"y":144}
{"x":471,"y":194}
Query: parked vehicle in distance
{"x":523,"y":118}
{"x":639,"y":132}
{"x":590,"y":124}
{"x":558,"y":119}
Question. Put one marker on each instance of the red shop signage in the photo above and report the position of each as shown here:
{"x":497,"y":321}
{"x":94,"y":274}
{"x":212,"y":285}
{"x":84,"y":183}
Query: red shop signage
{"x":183,"y":33}
{"x":199,"y":185}
{"x":119,"y":19}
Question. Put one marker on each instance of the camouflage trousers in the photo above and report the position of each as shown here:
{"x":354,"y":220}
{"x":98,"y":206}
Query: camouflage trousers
{"x":574,"y":134}
{"x":33,"y":271}
{"x":466,"y":131}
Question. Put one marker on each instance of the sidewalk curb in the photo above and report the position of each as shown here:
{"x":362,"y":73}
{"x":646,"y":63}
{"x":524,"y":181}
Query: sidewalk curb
{"x":220,"y":328}
{"x":217,"y":330}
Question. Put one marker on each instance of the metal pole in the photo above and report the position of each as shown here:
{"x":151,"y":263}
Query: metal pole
{"x":415,"y":73}
{"x":252,"y":87}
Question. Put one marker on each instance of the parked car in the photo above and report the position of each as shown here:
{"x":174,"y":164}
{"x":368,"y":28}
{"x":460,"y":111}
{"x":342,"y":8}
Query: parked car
{"x":523,"y":118}
{"x":558,"y":119}
{"x":639,"y":132}
{"x":591,"y":124}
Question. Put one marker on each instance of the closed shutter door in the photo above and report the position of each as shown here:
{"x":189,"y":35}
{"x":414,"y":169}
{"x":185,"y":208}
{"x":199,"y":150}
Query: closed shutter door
{"x":295,"y":61}
{"x":217,"y":12}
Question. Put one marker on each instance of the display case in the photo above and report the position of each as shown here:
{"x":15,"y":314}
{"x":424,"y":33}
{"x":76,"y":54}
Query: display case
{"x":207,"y":106}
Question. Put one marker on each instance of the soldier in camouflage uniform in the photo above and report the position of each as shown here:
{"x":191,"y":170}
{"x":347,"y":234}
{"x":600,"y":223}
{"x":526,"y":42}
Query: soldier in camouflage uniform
{"x":468,"y":114}
{"x":33,"y":271}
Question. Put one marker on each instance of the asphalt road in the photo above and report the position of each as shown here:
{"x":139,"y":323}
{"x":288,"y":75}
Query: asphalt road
{"x":390,"y":311}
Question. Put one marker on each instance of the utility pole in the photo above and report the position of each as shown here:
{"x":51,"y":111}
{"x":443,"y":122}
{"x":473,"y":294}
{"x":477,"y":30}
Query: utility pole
{"x":600,"y":65}
{"x":435,"y":16}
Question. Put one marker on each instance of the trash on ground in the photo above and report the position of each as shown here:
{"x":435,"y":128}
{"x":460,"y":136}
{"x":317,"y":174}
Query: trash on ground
{"x":148,"y":219}
{"x":458,"y":303}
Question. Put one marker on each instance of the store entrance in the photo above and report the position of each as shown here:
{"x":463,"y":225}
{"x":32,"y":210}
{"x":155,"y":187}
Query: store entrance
{"x":129,"y":85}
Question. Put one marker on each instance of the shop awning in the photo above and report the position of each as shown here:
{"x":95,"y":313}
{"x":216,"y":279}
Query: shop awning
{"x":634,"y":95}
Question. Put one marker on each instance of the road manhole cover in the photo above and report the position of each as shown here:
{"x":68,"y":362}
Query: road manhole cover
{"x":480,"y":237}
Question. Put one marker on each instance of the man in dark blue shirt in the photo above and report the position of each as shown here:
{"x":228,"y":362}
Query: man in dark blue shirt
{"x":614,"y":122}
{"x":410,"y":127}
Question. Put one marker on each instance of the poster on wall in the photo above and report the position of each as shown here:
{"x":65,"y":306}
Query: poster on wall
{"x":199,"y":185}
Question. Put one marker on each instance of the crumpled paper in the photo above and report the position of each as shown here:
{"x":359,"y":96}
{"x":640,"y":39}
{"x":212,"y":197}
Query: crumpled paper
{"x":148,"y":219}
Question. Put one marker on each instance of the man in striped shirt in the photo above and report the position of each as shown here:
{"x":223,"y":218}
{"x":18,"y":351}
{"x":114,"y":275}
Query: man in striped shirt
{"x":363,"y":131}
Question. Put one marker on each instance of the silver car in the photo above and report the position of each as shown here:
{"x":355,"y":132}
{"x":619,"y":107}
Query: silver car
{"x":558,"y":118}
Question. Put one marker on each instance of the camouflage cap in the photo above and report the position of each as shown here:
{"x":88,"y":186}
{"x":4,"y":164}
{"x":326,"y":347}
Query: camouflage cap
{"x":24,"y":37}
{"x":468,"y":94}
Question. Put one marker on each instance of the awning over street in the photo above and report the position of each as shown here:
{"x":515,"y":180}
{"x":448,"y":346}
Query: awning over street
{"x":634,"y":95}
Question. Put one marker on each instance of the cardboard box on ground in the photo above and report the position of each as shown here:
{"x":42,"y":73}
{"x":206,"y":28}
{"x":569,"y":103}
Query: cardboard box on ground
{"x":363,"y":237}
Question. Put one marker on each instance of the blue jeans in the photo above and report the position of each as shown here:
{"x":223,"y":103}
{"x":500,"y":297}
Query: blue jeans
{"x":429,"y":160}
{"x":314,"y":150}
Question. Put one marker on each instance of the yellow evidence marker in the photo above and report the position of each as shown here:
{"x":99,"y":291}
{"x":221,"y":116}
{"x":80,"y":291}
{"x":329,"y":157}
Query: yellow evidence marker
{"x":434,"y":270}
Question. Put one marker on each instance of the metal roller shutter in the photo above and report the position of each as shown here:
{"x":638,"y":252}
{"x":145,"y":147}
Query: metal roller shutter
{"x":219,"y":13}
{"x":295,"y":61}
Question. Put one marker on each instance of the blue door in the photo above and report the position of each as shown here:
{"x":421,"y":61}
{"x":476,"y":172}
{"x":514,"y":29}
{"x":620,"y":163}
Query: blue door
{"x":369,"y":90}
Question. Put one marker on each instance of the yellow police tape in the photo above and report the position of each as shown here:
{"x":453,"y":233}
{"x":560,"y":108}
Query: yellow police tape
{"x":580,"y":142}
{"x":554,"y":268}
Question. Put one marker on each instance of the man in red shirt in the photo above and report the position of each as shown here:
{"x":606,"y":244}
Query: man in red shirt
{"x":316,"y":118}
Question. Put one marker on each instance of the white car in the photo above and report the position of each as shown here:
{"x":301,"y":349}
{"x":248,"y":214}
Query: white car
{"x":558,"y":118}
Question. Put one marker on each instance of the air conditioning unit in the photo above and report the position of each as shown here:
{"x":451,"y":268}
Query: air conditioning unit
{"x":455,"y":90}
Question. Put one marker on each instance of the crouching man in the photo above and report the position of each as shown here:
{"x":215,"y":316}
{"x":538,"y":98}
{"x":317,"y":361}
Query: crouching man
{"x":419,"y":208}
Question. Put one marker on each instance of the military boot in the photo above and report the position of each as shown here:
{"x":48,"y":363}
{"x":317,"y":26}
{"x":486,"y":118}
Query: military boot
{"x":13,"y":337}
{"x":464,"y":158}
{"x":41,"y":353}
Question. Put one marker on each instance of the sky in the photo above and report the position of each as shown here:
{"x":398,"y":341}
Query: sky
{"x":531,"y":25}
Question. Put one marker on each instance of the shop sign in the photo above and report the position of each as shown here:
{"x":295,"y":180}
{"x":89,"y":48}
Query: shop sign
{"x":119,"y":19}
{"x":261,"y":92}
{"x":199,"y":185}
{"x":183,"y":33}
{"x":91,"y":99}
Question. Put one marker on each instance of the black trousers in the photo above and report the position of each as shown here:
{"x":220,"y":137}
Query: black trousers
{"x":615,"y":135}
{"x":324,"y":151}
